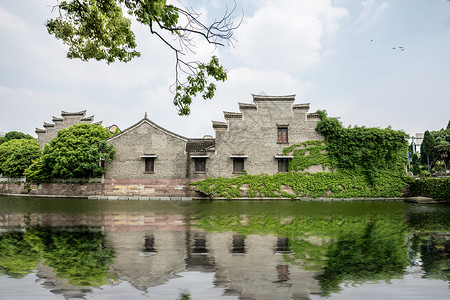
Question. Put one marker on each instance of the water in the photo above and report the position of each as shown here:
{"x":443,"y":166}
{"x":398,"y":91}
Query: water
{"x":75,"y":248}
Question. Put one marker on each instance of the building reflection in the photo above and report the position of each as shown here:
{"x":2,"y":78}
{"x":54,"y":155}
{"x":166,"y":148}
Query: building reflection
{"x":151,"y":249}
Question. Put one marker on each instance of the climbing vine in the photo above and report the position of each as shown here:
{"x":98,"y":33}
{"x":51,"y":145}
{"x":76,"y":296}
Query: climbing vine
{"x":307,"y":154}
{"x":365,"y":162}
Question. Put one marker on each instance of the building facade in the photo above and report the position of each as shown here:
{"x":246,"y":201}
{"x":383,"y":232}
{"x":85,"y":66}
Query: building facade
{"x":68,"y":119}
{"x":251,"y":141}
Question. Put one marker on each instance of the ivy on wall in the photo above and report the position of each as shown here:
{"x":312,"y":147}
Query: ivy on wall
{"x":367,"y":162}
{"x":307,"y":154}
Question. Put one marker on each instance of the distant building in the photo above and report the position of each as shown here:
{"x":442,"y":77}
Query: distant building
{"x":68,"y":119}
{"x":418,"y":139}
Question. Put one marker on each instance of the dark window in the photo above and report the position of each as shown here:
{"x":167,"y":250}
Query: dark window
{"x":149,"y":165}
{"x":282,"y":165}
{"x":199,"y":245}
{"x":149,"y":244}
{"x":200,"y":165}
{"x":238,"y":244}
{"x":238,"y":165}
{"x":282,"y":135}
{"x":282,"y":244}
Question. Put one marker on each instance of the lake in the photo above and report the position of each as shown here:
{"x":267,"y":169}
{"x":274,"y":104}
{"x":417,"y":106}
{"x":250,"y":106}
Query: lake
{"x":95,"y":249}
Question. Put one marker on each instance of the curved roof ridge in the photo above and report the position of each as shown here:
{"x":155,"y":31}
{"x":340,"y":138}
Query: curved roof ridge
{"x":78,"y":113}
{"x":151,"y":123}
{"x":273,"y":98}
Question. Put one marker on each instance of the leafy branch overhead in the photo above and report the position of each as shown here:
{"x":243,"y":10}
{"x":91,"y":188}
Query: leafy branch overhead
{"x":101,"y":30}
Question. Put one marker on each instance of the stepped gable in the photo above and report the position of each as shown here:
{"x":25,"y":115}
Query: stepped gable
{"x":265,"y":102}
{"x":303,"y":106}
{"x":219,"y":125}
{"x":68,"y":119}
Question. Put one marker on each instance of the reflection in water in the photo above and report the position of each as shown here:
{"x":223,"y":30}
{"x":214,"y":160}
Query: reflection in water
{"x":238,"y":244}
{"x":149,"y":245}
{"x":283,"y":245}
{"x":251,"y":256}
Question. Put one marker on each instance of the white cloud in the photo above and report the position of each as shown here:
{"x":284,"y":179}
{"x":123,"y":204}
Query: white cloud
{"x":371,"y":13}
{"x":287,"y":34}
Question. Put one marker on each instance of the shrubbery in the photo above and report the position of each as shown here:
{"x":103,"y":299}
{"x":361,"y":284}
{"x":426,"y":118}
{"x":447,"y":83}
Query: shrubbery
{"x":436,"y":188}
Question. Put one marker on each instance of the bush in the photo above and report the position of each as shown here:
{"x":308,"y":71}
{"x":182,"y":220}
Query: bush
{"x":436,"y":188}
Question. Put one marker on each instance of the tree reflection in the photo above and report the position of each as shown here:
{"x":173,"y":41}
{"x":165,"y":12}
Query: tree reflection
{"x":346,"y":248}
{"x":375,"y":254}
{"x":17,"y":257}
{"x":80,"y":257}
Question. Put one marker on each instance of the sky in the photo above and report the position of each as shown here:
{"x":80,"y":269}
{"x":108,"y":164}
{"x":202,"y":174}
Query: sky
{"x":337,"y":55}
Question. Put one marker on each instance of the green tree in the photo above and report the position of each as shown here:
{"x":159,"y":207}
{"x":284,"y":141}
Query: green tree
{"x":15,"y":135}
{"x":76,"y":152}
{"x":428,"y":151}
{"x":99,"y":29}
{"x":17,"y":155}
{"x":443,"y":149}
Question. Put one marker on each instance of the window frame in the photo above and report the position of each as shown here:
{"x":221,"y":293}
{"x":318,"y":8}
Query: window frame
{"x":282,"y":135}
{"x":238,"y":165}
{"x":200,"y":165}
{"x":283,"y":162}
{"x":149,"y":165}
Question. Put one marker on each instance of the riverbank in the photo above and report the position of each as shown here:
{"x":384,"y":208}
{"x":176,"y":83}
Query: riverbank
{"x":161,"y":190}
{"x":418,"y":200}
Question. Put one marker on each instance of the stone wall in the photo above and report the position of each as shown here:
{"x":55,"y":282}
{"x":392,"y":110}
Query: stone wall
{"x":252,"y":134}
{"x":146,"y":139}
{"x":111,"y":187}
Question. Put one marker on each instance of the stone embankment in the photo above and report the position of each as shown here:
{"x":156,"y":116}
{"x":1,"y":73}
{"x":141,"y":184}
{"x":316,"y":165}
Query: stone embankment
{"x":112,"y":189}
{"x":144,"y":190}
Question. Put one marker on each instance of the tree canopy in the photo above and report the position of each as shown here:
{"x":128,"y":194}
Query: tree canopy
{"x":101,"y":30}
{"x":435,"y":147}
{"x":76,"y":152}
{"x":13,"y":135}
{"x":428,"y":151}
{"x":16,"y":156}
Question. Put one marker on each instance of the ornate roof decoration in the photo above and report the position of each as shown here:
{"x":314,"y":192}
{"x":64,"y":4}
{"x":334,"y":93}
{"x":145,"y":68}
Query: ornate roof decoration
{"x":247,"y":106}
{"x":79,"y":113}
{"x":48,"y":125}
{"x":39,"y":130}
{"x":302,"y":106}
{"x":220,"y":125}
{"x":89,"y":119}
{"x":312,"y":116}
{"x":55,"y":119}
{"x":257,"y":98}
{"x":232,"y":115}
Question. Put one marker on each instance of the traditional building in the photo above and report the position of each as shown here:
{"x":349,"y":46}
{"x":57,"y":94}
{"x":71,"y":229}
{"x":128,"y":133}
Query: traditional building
{"x":250,"y":141}
{"x":68,"y":119}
